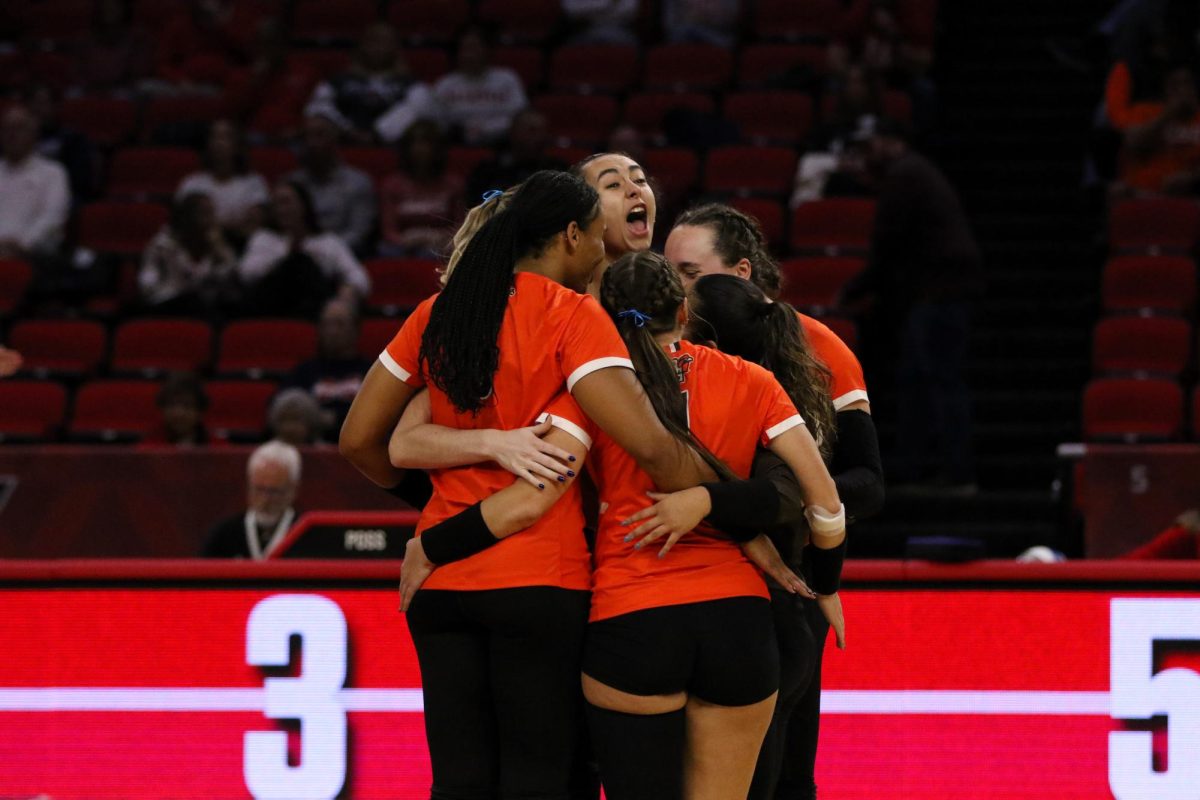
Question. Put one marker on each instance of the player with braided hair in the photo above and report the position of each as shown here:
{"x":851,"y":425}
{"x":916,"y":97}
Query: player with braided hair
{"x":680,"y":667}
{"x":718,"y":240}
{"x":498,"y":633}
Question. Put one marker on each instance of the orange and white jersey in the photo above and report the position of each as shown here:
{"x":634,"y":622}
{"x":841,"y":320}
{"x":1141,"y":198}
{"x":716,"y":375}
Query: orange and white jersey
{"x":849,"y":386}
{"x":550,"y":338}
{"x":733,"y":406}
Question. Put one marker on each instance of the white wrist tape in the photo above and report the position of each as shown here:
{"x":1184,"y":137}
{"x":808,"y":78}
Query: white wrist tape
{"x":823,"y":522}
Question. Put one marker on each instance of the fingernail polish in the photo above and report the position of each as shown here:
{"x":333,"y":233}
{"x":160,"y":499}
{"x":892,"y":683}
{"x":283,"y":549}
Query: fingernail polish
{"x":541,"y":486}
{"x":561,"y":479}
{"x":570,"y":473}
{"x":570,"y":458}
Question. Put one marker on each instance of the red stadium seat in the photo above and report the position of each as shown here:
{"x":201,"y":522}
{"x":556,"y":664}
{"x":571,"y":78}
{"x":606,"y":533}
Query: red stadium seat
{"x":401,"y":283}
{"x":750,"y":170}
{"x":1142,"y":344}
{"x":427,"y":63}
{"x":648,"y":111}
{"x":578,"y":118}
{"x":114,"y":410}
{"x":238,"y":409}
{"x":69,"y":347}
{"x":15,"y":277}
{"x":569,"y":155}
{"x":845,"y":329}
{"x":833,"y":227}
{"x":375,"y":334}
{"x":1131,"y":410}
{"x":188,"y":110}
{"x":60,"y":21}
{"x":31,"y":410}
{"x":461,"y":161}
{"x":55,"y":69}
{"x":324,"y":62}
{"x":527,"y":62}
{"x":259,"y":347}
{"x":1164,"y":283}
{"x":121,"y":228}
{"x":817,"y":281}
{"x":154,"y":346}
{"x":762,"y":65}
{"x":1154,"y":224}
{"x":918,"y":20}
{"x":770,"y":216}
{"x":106,"y":121}
{"x":378,"y":162}
{"x":792,"y":21}
{"x":767,"y":116}
{"x":594,"y":68}
{"x":676,"y":170}
{"x":273,"y":162}
{"x":143,"y":172}
{"x":688,"y":67}
{"x":530,"y":21}
{"x":324,"y":22}
{"x":422,"y":22}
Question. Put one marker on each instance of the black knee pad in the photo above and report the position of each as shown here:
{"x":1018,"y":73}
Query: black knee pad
{"x":640,"y":755}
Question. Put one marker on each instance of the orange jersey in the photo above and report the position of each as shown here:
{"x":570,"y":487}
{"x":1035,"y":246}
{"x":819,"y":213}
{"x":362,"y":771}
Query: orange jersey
{"x":848,"y":383}
{"x":549,"y":339}
{"x":733,"y":405}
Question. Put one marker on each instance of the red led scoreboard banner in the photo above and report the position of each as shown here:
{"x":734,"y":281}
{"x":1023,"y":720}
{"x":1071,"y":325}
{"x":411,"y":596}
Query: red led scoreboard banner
{"x":298,"y":680}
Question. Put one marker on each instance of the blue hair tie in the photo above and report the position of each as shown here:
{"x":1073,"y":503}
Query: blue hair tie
{"x":490,"y":193}
{"x":638,"y":317}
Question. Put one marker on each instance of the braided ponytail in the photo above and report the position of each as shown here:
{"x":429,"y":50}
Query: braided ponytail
{"x":737,"y":236}
{"x":459,"y":353}
{"x":642,"y":293}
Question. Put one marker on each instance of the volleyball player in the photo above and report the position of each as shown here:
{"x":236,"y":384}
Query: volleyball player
{"x":627,"y":202}
{"x":498,"y":634}
{"x":680,"y":648}
{"x":717,"y":239}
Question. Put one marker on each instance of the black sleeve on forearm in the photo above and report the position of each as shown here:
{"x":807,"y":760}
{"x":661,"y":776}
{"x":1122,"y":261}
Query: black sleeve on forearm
{"x":458,"y":537}
{"x":743,"y":508}
{"x":414,"y":488}
{"x":856,"y":467}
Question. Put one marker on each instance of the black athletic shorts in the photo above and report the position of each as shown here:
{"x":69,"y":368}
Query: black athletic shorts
{"x":720,"y":651}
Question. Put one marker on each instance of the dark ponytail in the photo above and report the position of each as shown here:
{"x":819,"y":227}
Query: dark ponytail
{"x":459,"y":352}
{"x":737,"y":236}
{"x":642,"y":293}
{"x":741,"y":320}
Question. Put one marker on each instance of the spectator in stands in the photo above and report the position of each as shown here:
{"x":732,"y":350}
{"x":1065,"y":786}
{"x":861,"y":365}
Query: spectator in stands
{"x":627,"y":139}
{"x":706,"y":21}
{"x":203,"y":42}
{"x":10,"y":361}
{"x":335,"y":375}
{"x":181,"y":403}
{"x":831,"y":165}
{"x":602,"y":21}
{"x":292,"y":268}
{"x":343,"y":196}
{"x":478,"y":100}
{"x":188,"y":267}
{"x":272,"y":92}
{"x":1180,"y":541}
{"x":924,"y":272}
{"x":524,"y":154}
{"x":68,"y":147}
{"x":377,"y":98}
{"x":420,"y":204}
{"x":35,"y":196}
{"x":1161,"y":149}
{"x":238,"y":195}
{"x":295,"y":418}
{"x":117,"y":54}
{"x":272,"y":478}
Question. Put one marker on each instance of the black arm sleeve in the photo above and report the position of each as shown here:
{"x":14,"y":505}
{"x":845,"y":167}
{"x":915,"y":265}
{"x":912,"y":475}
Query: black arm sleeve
{"x":856,"y":467}
{"x":743,"y":508}
{"x":414,"y":488}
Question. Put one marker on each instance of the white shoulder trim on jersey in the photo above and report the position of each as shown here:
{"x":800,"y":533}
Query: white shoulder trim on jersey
{"x":785,"y":426}
{"x":568,"y":426}
{"x":594,"y":365}
{"x":850,"y":397}
{"x":400,"y":372}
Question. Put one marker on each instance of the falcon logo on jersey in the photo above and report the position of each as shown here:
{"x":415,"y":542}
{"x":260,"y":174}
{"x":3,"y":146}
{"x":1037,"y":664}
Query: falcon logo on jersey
{"x":683,"y":365}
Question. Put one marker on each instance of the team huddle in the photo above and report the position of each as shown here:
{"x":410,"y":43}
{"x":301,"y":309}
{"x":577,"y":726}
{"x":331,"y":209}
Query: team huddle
{"x":687,"y":452}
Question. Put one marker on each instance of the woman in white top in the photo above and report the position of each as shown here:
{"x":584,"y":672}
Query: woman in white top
{"x":238,"y":194}
{"x":292,"y":268}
